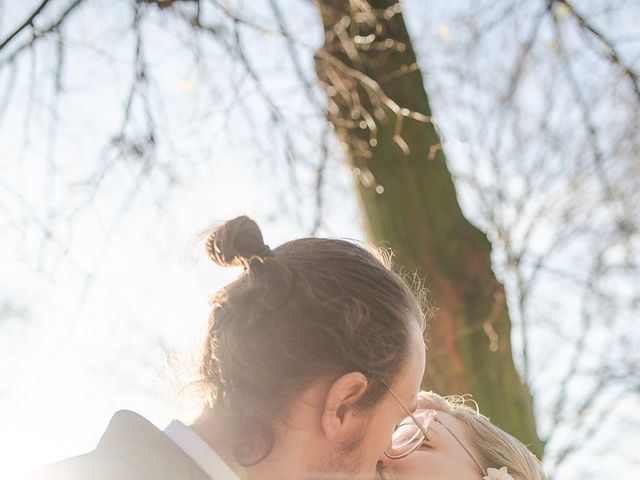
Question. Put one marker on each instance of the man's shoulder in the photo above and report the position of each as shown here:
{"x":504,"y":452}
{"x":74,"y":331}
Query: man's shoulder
{"x":131,"y":448}
{"x":96,"y":465}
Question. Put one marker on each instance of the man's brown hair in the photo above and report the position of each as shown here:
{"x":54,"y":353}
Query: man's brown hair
{"x":309,"y":308}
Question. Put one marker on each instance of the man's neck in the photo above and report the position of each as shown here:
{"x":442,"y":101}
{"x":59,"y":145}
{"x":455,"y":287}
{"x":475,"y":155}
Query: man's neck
{"x":213,"y":427}
{"x":287,"y":461}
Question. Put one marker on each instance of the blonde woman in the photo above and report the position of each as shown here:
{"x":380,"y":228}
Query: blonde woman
{"x":462,"y":445}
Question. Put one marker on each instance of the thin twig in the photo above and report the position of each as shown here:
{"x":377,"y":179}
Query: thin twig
{"x":27,"y":23}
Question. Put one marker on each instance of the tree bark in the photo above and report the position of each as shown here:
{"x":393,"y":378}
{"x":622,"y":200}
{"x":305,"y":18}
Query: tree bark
{"x":368,"y":69}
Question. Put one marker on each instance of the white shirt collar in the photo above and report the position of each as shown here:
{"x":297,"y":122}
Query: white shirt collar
{"x":201,"y":453}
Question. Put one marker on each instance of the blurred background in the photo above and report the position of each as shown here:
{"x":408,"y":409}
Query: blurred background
{"x":489,"y":144}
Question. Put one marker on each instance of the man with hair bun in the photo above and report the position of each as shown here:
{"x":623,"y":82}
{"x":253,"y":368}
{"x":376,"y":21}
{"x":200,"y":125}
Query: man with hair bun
{"x":311,"y":359}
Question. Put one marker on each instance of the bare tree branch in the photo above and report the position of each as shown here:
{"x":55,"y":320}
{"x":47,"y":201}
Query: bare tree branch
{"x":612,"y":52}
{"x":51,"y":27}
{"x":27,"y":23}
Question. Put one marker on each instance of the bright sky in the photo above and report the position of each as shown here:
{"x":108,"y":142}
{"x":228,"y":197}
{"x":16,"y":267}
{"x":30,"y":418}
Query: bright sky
{"x":85,"y":347}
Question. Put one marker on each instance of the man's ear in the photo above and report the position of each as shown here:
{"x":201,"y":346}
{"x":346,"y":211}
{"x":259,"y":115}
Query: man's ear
{"x":341,"y":397}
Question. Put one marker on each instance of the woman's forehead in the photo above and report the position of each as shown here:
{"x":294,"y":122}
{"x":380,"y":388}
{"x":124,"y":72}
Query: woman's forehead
{"x":455,"y":425}
{"x":452,"y":423}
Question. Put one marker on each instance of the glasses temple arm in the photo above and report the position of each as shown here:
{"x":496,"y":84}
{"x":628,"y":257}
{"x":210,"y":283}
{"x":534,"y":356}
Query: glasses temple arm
{"x":475,"y":460}
{"x":411,"y":415}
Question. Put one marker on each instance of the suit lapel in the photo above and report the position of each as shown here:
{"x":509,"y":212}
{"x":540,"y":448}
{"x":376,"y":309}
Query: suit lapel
{"x":139,"y":443}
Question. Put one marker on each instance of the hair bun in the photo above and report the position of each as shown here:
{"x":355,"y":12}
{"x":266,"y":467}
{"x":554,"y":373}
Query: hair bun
{"x":236,"y":243}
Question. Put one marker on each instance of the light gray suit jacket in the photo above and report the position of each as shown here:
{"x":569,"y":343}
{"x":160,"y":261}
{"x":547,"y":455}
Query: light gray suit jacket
{"x":130,"y":449}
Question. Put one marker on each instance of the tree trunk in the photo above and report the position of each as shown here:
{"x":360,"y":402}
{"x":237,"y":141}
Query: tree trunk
{"x":380,"y":110}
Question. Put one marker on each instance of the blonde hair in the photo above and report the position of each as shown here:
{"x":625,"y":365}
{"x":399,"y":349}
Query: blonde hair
{"x":494,"y":447}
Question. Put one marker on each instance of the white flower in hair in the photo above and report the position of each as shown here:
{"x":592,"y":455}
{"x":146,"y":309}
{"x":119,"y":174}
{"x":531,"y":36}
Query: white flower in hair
{"x":495,"y":474}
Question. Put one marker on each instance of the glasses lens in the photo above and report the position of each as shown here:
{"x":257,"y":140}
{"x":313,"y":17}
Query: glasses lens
{"x":407,"y":436}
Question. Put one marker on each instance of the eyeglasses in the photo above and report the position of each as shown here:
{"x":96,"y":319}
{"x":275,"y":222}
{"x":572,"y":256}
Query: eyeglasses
{"x":398,"y":439}
{"x":411,"y":434}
